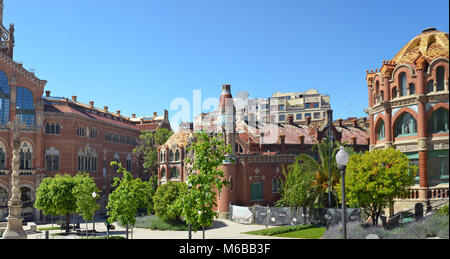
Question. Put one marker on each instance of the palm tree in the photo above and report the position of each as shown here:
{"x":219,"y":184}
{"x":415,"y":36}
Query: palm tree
{"x":320,"y":168}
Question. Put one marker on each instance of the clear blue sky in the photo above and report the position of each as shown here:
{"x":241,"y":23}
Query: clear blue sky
{"x":138,"y":55}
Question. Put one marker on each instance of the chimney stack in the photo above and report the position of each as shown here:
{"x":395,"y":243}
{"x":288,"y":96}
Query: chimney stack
{"x":283,"y":142}
{"x":291,"y":119}
{"x":74,"y":98}
{"x":155,"y":114}
{"x":105,"y":108}
{"x":301,"y":139}
{"x":118,"y":112}
{"x":47,"y":93}
{"x":133,"y":116}
{"x":91,"y":103}
{"x":354,"y":141}
{"x":340,"y":122}
{"x":355,"y":123}
{"x":308,"y":120}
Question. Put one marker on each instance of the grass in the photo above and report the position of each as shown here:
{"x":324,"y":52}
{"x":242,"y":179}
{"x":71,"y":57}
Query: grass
{"x":157,"y":223}
{"x":300,"y":231}
{"x":49,"y":228}
{"x":312,"y":233}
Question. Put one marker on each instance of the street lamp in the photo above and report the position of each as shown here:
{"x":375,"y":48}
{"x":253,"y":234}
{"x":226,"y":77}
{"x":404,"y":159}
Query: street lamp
{"x":94,"y":195}
{"x":189,"y":222}
{"x":342,"y":158}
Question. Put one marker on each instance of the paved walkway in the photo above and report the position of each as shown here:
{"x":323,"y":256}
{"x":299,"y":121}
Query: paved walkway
{"x":222,"y":229}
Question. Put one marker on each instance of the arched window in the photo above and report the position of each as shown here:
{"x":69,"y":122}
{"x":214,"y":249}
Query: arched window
{"x":403,"y":84}
{"x":380,"y":130}
{"x":5,"y":92}
{"x":406,"y":125}
{"x":394,"y":92}
{"x":87,"y":160}
{"x":412,"y":89}
{"x":52,"y":160}
{"x":174,"y":172}
{"x":2,"y":156}
{"x":163,"y":172}
{"x":25,"y":152}
{"x":171,"y":156}
{"x":430,"y":86}
{"x":438,"y":121}
{"x":52,"y":128}
{"x":440,"y":78}
{"x":177,"y":155}
{"x":25,"y":106}
{"x":239,"y":149}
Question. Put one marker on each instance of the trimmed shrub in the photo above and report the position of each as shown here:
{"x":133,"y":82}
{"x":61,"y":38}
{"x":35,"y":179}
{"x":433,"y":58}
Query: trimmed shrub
{"x":443,"y":211}
{"x":165,"y":196}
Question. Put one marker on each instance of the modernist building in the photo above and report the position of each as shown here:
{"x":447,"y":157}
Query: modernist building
{"x":260,"y":151}
{"x":408,"y":110}
{"x":60,"y":135}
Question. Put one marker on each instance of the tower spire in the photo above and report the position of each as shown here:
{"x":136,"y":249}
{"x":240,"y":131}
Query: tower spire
{"x":6,"y":36}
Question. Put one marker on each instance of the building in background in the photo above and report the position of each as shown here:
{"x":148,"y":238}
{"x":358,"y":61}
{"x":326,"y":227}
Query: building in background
{"x":408,"y":110}
{"x":261,"y":150}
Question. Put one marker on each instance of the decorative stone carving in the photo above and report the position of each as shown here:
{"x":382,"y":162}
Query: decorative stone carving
{"x":422,"y":144}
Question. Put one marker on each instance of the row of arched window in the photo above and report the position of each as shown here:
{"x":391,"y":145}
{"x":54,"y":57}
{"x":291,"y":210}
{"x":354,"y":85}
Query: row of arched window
{"x":174,"y":173}
{"x":172,"y":157}
{"x":25,"y":159}
{"x":406,"y":124}
{"x":404,"y":88}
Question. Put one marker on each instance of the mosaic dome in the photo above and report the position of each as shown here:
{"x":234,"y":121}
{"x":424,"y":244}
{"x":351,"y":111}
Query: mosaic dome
{"x":432,"y":43}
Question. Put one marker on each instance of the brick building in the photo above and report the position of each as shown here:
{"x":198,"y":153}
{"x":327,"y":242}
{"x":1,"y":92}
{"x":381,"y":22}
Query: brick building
{"x":408,"y":110}
{"x":61,"y":135}
{"x":260,"y":151}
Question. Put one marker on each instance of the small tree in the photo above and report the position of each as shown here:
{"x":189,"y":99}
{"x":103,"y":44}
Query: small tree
{"x":296,"y":188}
{"x":165,"y":196}
{"x":374,"y":179}
{"x":198,"y":204}
{"x":55,"y":196}
{"x":129,"y":196}
{"x":85,"y":203}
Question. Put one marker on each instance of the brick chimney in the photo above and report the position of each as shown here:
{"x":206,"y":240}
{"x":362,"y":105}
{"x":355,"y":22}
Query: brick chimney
{"x":118,"y":112}
{"x":155,"y":114}
{"x":91,"y":103}
{"x":261,"y":139}
{"x":354,"y":141}
{"x":74,"y":98}
{"x":47,"y":93}
{"x":355,"y":123}
{"x":290,"y":118}
{"x":301,"y":139}
{"x":105,"y":108}
{"x":282,"y":142}
{"x":340,"y":122}
{"x":133,"y":116}
{"x":308,"y":120}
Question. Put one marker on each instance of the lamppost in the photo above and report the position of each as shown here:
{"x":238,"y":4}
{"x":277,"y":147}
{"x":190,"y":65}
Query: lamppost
{"x":342,"y":158}
{"x":94,"y":195}
{"x":189,"y":222}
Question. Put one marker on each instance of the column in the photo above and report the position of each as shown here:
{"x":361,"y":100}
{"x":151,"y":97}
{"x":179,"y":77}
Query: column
{"x":422,"y":132}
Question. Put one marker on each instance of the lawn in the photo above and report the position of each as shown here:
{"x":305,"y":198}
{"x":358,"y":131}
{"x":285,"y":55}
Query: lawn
{"x":300,"y":231}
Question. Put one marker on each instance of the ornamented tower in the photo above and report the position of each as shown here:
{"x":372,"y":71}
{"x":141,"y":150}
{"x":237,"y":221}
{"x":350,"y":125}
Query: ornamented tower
{"x":226,"y":113}
{"x":6,"y":36}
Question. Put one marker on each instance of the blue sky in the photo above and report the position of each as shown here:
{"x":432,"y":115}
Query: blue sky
{"x":138,"y":55}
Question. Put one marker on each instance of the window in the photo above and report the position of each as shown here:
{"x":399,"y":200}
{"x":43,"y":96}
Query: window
{"x":52,"y":162}
{"x":81,"y":131}
{"x":108,"y":136}
{"x":437,"y":165}
{"x":239,"y":148}
{"x":440,"y":77}
{"x":25,"y":107}
{"x":317,"y":115}
{"x":438,"y":121}
{"x":414,"y":160}
{"x":276,"y":184}
{"x":93,"y":133}
{"x":87,"y":160}
{"x":281,"y":107}
{"x":5,"y":92}
{"x":412,"y":89}
{"x":406,"y":125}
{"x":403,"y":84}
{"x":430,"y":86}
{"x":298,"y":116}
{"x":316,"y":105}
{"x":174,"y":172}
{"x":52,"y":128}
{"x":380,"y":130}
{"x":282,"y":118}
{"x":129,"y":165}
{"x":163,"y":173}
{"x":307,"y":115}
{"x":256,"y":192}
{"x":25,"y":152}
{"x":177,"y":155}
{"x":394,"y":92}
{"x":2,"y":157}
{"x":171,"y":157}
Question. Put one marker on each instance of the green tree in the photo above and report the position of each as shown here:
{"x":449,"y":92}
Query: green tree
{"x":165,"y":196}
{"x":55,"y":196}
{"x":130,"y":195}
{"x":147,"y":148}
{"x":320,"y":168}
{"x":373,"y":179}
{"x":86,"y":204}
{"x":296,"y":188}
{"x":198,"y":204}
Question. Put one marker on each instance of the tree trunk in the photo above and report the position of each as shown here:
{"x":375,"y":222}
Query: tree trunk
{"x":203,"y":232}
{"x":68,"y":223}
{"x":127,"y":231}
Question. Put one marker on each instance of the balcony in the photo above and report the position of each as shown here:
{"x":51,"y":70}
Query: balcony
{"x":433,"y":193}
